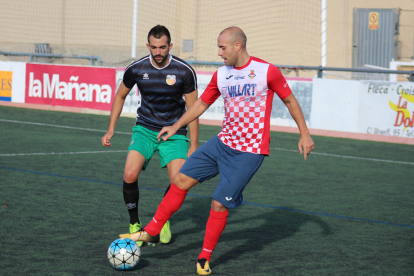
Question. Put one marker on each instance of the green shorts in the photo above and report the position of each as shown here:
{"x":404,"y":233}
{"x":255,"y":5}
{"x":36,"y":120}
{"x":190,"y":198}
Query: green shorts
{"x":145,"y":142}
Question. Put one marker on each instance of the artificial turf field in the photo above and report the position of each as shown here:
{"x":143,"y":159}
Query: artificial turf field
{"x":347,"y":210}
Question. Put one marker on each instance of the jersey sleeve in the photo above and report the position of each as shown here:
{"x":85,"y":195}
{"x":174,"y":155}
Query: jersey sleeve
{"x":277,"y":82}
{"x":212,"y":92}
{"x":190,"y":81}
{"x":128,"y":80}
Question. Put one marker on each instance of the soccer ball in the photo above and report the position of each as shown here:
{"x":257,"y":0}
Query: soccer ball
{"x":123,"y":254}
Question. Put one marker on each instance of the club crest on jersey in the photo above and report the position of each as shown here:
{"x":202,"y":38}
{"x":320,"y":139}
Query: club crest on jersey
{"x":170,"y":79}
{"x":252,"y":74}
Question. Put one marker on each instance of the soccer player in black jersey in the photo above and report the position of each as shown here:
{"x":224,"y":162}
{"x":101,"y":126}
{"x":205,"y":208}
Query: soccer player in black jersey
{"x":167,"y":86}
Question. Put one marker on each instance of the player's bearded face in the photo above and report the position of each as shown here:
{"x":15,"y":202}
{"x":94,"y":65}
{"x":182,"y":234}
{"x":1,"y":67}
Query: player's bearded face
{"x":159,"y":59}
{"x":159,"y":49}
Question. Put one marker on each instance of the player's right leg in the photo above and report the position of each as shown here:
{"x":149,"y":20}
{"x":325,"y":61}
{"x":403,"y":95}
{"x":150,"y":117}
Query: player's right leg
{"x":173,"y":167}
{"x":140,"y":152}
{"x":168,"y":206}
{"x":133,"y":165}
{"x":201,"y":166}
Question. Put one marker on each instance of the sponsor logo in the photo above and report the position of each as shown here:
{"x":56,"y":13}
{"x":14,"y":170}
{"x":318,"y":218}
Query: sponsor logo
{"x":229,"y":77}
{"x":403,"y":114}
{"x":228,"y":198}
{"x":252,"y":74}
{"x":53,"y":87}
{"x":132,"y":142}
{"x":171,"y":79}
{"x":6,"y":85}
{"x":240,"y":90}
{"x":131,"y":205}
{"x":285,"y":85}
{"x":75,"y":86}
{"x":239,"y":77}
{"x":145,"y":76}
{"x":401,"y":101}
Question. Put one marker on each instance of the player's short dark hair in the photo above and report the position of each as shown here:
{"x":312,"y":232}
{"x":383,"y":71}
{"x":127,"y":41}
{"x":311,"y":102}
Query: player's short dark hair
{"x":158,"y":31}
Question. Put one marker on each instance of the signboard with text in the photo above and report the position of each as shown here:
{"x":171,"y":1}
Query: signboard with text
{"x":387,"y":108}
{"x":6,"y":85}
{"x":74,"y":86}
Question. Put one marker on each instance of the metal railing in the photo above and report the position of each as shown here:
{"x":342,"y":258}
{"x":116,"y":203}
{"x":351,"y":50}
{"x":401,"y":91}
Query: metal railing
{"x":320,"y":69}
{"x":95,"y":60}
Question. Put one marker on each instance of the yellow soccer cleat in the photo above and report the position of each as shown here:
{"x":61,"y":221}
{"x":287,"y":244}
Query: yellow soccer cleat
{"x":135,"y":228}
{"x":141,"y":235}
{"x":203,"y":267}
{"x":165,"y":235}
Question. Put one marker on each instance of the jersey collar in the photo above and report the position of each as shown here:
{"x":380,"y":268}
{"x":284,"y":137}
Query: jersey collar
{"x":244,"y":66}
{"x":169,"y":61}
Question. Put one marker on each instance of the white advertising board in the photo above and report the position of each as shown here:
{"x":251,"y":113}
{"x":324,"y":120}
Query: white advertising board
{"x":386,"y":108}
{"x":133,"y":100}
{"x":335,"y":105}
{"x":216,"y":110}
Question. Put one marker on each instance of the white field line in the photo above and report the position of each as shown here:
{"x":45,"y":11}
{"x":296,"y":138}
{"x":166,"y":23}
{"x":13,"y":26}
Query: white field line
{"x":54,"y":153}
{"x":352,"y":157}
{"x":99,"y":130}
{"x":41,"y":124}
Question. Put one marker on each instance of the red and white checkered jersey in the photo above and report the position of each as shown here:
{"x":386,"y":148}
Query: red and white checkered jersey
{"x":248,"y":95}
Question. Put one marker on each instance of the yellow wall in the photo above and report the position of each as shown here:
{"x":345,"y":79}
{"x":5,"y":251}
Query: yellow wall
{"x":286,"y":32}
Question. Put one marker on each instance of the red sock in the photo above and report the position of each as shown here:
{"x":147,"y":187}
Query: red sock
{"x":215,"y":226}
{"x":170,"y":204}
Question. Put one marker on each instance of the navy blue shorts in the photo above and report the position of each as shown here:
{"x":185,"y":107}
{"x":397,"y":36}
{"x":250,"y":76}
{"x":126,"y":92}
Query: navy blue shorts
{"x":236,"y":168}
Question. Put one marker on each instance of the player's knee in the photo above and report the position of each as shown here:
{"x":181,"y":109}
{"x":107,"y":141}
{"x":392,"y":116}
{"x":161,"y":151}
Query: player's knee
{"x":184,"y":182}
{"x":130,"y":176}
{"x":217,"y":206}
{"x":179,"y":181}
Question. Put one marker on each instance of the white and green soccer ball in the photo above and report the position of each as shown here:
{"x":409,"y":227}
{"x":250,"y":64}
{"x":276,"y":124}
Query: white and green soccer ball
{"x":123,"y":254}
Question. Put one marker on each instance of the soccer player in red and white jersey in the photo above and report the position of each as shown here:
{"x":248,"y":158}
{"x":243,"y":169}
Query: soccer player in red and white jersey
{"x":247,"y":85}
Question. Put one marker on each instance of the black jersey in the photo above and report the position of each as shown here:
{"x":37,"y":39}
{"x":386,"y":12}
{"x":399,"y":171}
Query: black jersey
{"x":162,"y":91}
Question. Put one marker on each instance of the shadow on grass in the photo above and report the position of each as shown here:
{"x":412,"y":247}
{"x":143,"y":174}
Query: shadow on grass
{"x":256,"y":228}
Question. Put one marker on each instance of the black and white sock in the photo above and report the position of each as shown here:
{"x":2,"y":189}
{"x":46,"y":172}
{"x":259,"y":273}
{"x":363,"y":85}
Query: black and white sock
{"x":131,"y":198}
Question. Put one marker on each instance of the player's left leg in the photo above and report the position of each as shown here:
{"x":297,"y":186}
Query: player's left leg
{"x":215,"y":225}
{"x":236,"y":170}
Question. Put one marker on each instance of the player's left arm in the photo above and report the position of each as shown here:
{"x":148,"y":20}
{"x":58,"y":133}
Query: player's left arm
{"x":277,"y":82}
{"x":305,"y":141}
{"x":190,"y":98}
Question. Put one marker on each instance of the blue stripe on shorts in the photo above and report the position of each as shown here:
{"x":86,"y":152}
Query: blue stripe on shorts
{"x":236,"y":168}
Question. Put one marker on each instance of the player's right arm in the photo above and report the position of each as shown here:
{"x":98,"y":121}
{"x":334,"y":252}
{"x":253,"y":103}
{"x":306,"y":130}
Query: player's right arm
{"x":208,"y":97}
{"x":116,"y":110}
{"x":195,"y":111}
